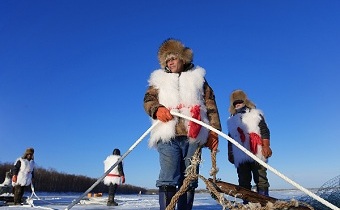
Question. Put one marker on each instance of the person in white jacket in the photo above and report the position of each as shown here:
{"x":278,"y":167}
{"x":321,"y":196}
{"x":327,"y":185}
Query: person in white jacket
{"x":248,"y":127}
{"x":23,"y":174}
{"x":115,"y":177}
{"x":179,"y":86}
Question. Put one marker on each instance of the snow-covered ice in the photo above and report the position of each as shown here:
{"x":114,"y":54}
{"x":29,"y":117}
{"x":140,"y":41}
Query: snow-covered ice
{"x":203,"y":201}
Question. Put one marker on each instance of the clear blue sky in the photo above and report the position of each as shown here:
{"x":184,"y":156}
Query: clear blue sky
{"x":73,"y":76}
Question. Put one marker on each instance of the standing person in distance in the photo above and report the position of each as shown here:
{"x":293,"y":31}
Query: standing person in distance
{"x":182,"y":87}
{"x":115,"y":178}
{"x":23,"y":174}
{"x":247,"y":126}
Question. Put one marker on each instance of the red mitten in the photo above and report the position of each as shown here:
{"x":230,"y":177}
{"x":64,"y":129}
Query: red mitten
{"x":163,"y":114}
{"x":194,"y":128}
{"x":14,"y":178}
{"x":255,"y":140}
{"x":123,"y":179}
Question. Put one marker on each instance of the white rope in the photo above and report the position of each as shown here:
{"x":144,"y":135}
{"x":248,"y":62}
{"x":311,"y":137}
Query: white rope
{"x":30,"y":200}
{"x":321,"y":200}
{"x":33,"y":192}
{"x":113,"y":166}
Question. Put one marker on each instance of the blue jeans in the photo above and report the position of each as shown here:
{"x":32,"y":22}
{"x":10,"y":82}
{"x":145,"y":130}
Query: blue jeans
{"x":174,"y":158}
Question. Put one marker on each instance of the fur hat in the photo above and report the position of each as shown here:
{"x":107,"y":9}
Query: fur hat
{"x":172,"y":47}
{"x":239,"y":95}
{"x":28,"y":151}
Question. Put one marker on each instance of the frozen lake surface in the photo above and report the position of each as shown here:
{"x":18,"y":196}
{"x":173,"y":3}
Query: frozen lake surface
{"x":203,"y":201}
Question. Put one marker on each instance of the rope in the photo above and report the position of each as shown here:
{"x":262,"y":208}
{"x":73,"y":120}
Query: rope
{"x":214,"y":169}
{"x":321,"y":200}
{"x":191,"y":175}
{"x":30,"y":199}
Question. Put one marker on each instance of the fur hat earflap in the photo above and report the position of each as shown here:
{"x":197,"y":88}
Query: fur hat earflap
{"x":28,"y":151}
{"x":174,"y":48}
{"x":239,"y":95}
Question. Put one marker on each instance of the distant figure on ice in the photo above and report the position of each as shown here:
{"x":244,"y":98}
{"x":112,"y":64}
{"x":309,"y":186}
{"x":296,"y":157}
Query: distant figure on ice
{"x":182,"y":87}
{"x":115,"y":177}
{"x":247,"y":126}
{"x":6,"y":186}
{"x":23,"y":174}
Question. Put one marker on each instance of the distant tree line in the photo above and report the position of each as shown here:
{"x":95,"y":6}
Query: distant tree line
{"x":53,"y":181}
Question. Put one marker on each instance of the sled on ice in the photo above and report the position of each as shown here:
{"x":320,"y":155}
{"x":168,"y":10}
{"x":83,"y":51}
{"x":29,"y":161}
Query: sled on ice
{"x":245,"y":194}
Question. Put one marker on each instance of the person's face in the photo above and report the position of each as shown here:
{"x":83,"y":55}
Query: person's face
{"x":29,"y":156}
{"x":175,"y":65}
{"x":239,"y":106}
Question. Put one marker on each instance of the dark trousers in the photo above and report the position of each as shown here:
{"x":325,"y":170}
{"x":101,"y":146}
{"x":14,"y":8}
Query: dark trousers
{"x":248,"y":170}
{"x":18,"y":193}
{"x":112,"y":189}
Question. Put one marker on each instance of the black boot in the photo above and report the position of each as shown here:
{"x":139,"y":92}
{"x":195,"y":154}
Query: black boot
{"x":165,"y":195}
{"x":186,"y":200}
{"x":111,"y":201}
{"x":263,"y":191}
{"x":190,"y":198}
{"x":114,"y":203}
{"x":112,"y":192}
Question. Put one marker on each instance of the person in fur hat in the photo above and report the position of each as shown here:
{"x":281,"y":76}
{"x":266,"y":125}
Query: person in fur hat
{"x":115,"y":178}
{"x":247,"y":126}
{"x":23,"y":174}
{"x":180,"y":86}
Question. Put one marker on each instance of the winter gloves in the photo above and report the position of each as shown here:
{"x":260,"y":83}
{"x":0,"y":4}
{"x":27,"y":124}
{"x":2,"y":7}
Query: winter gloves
{"x":266,"y":151}
{"x":163,"y":114}
{"x":14,"y":178}
{"x":123,"y":179}
{"x":212,"y":142}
